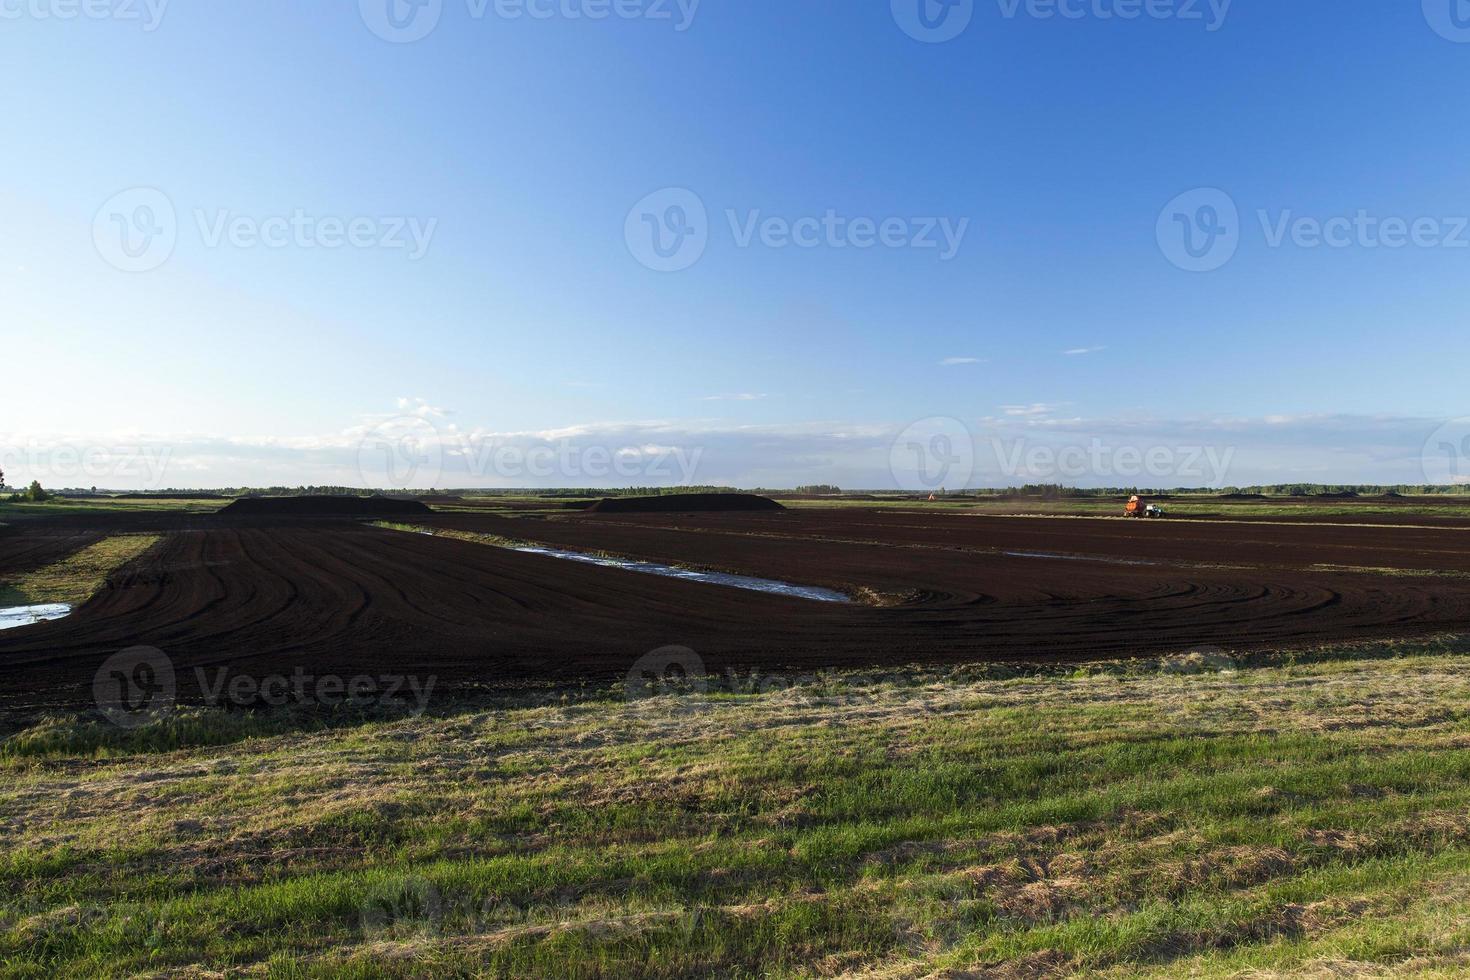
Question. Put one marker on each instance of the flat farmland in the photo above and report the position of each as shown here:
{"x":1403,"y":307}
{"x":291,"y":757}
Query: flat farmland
{"x":879,"y":791}
{"x":935,"y":587}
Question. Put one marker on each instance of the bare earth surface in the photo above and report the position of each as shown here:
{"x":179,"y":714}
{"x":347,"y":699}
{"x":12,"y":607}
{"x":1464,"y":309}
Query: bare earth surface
{"x":338,"y":596}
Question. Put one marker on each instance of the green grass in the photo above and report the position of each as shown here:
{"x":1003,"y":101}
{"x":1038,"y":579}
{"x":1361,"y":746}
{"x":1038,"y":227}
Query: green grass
{"x":104,"y":506}
{"x":1305,"y":815}
{"x":76,"y":578}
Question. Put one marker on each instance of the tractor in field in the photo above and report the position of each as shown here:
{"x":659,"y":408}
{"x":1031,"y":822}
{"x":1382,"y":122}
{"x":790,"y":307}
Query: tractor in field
{"x":1138,"y":507}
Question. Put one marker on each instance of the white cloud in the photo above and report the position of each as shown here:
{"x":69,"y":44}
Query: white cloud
{"x":743,"y":397}
{"x":1036,"y":410}
{"x":1270,"y":449}
{"x":957,"y":361}
{"x":1080,"y":351}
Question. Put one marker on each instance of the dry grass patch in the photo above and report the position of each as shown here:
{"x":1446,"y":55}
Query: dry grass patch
{"x":78,"y":577}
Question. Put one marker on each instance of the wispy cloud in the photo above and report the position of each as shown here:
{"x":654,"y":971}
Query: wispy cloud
{"x":957,"y":361}
{"x":742,"y":397}
{"x":1035,"y":410}
{"x":1080,"y":351}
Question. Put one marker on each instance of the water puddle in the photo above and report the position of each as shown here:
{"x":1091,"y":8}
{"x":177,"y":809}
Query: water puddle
{"x":1059,"y":557}
{"x":29,"y":615}
{"x":710,"y":578}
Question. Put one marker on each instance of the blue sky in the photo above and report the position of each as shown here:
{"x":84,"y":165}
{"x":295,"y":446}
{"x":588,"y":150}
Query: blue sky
{"x":1061,"y":149}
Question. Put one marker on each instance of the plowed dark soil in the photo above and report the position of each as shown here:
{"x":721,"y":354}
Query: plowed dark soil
{"x":271,"y":596}
{"x":25,"y":548}
{"x":685,"y":503}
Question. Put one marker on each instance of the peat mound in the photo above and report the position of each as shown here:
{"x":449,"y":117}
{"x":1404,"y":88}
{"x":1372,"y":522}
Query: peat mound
{"x":684,"y":503}
{"x":324,"y":507}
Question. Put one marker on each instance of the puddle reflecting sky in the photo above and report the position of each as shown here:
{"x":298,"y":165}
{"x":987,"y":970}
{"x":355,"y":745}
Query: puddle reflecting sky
{"x":712,"y":578}
{"x":26,"y":615}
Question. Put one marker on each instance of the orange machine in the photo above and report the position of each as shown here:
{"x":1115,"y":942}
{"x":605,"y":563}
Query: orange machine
{"x":1138,"y":507}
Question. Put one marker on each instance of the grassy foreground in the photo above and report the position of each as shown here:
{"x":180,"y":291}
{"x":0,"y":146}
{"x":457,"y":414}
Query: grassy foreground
{"x":1176,"y":819}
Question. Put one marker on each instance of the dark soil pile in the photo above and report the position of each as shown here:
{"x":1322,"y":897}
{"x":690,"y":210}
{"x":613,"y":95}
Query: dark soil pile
{"x":324,"y":507}
{"x":684,"y":503}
